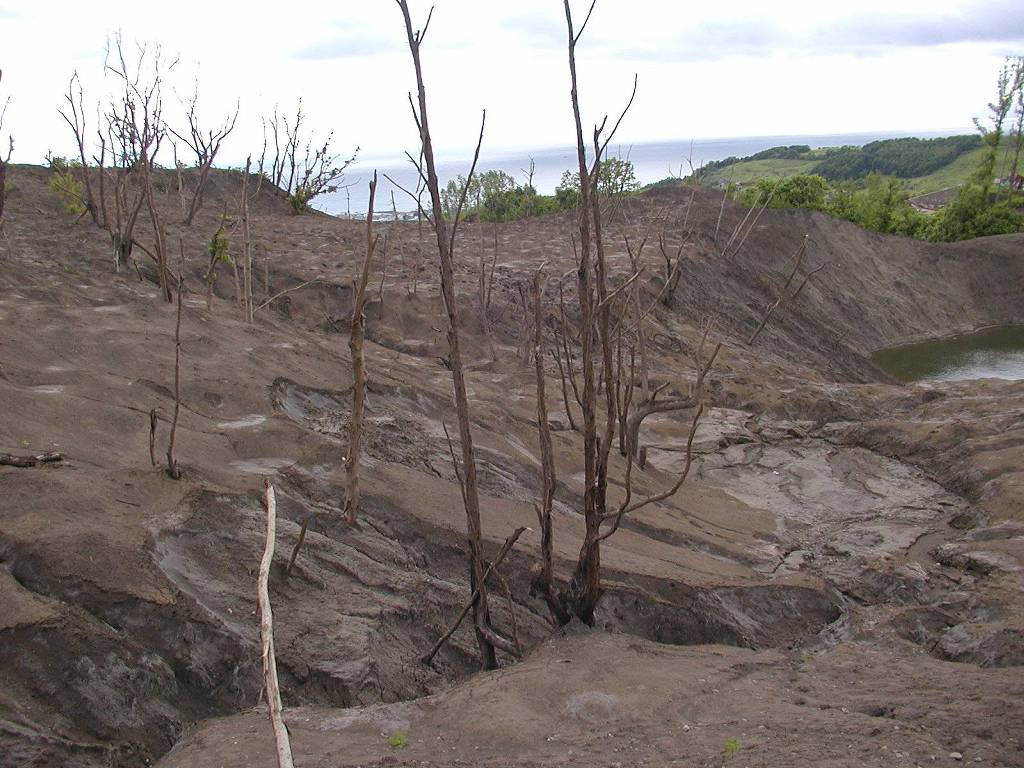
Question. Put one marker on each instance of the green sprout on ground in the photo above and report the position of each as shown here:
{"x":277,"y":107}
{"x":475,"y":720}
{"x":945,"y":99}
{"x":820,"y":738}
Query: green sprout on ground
{"x":397,"y":740}
{"x":732,"y":746}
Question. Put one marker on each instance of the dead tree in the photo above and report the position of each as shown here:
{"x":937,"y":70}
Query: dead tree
{"x":484,"y":293}
{"x":579,"y":598}
{"x":546,"y":581}
{"x":638,"y":328}
{"x":247,"y":302}
{"x":302,"y":168}
{"x":4,"y":159}
{"x":673,"y":267}
{"x":75,"y":118}
{"x":135,"y":128}
{"x":271,"y":687}
{"x":172,"y":464}
{"x":487,"y":638}
{"x":584,"y":590}
{"x":205,"y":144}
{"x":355,"y":345}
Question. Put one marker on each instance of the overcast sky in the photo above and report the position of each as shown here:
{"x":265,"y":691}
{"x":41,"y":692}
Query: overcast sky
{"x":719,"y":69}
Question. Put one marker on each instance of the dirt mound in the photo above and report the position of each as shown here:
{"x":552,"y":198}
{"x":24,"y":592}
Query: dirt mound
{"x":843,"y":540}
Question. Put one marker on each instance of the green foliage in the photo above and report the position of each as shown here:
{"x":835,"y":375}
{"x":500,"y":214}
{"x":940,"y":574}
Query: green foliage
{"x":792,"y":152}
{"x":218,"y":248}
{"x":905,"y":158}
{"x":615,"y":176}
{"x":881,"y":203}
{"x":803,"y":191}
{"x":973,"y":213}
{"x":667,"y":183}
{"x":567,"y":193}
{"x":883,"y":206}
{"x":732,"y":746}
{"x":66,"y":184}
{"x":482,"y":187}
{"x":398,"y":740}
{"x":495,"y":196}
{"x":299,"y":200}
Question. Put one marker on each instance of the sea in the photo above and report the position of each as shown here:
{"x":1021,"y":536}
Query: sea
{"x":652,"y":161}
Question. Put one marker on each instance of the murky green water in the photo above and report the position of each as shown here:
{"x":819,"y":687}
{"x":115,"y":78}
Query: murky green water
{"x":993,"y":353}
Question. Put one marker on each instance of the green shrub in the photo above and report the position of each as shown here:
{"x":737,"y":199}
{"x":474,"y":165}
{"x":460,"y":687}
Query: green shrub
{"x":615,"y":177}
{"x":218,"y":248}
{"x":398,"y":740}
{"x":802,"y":191}
{"x":973,"y":213}
{"x":299,"y":200}
{"x":66,"y":184}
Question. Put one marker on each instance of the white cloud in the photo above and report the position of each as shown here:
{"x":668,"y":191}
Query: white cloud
{"x":738,"y":68}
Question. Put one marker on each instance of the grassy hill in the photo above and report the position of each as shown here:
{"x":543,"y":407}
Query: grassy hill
{"x":749,"y":170}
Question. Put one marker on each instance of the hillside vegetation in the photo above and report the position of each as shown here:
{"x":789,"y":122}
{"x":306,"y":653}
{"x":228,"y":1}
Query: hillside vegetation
{"x":924,"y":165}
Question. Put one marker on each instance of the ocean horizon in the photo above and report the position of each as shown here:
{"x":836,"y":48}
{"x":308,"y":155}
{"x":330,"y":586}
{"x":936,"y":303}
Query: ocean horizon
{"x":653,"y":161}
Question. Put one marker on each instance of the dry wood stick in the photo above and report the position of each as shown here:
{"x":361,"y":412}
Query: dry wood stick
{"x":270,"y":683}
{"x":12,"y":460}
{"x":279,"y":294}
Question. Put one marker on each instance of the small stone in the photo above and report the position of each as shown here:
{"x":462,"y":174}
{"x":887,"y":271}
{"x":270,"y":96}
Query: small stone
{"x":956,"y":756}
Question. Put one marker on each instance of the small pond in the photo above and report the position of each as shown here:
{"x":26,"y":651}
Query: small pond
{"x":996,"y":353}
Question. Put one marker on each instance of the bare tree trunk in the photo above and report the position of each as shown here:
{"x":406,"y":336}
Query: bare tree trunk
{"x":355,"y":345}
{"x":547,"y":576}
{"x":160,"y":245}
{"x":557,"y":354}
{"x":487,"y":638}
{"x":586,"y":581}
{"x":272,"y":688}
{"x":485,"y":287}
{"x":247,"y":303}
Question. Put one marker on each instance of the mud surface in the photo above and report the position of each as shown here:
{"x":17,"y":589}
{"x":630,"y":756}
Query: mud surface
{"x":839,"y":582}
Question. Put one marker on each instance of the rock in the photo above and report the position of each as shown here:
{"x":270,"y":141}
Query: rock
{"x":956,"y":756}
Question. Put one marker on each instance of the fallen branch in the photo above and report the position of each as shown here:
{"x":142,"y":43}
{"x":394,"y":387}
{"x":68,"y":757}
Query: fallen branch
{"x":271,"y":687}
{"x":10,"y":460}
{"x":278,"y":295}
{"x":428,"y":657}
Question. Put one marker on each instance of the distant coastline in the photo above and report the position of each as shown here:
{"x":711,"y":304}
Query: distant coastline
{"x":653,"y":161}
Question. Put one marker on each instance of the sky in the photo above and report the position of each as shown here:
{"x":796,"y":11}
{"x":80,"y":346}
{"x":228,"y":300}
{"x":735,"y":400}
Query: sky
{"x":740,"y":68}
